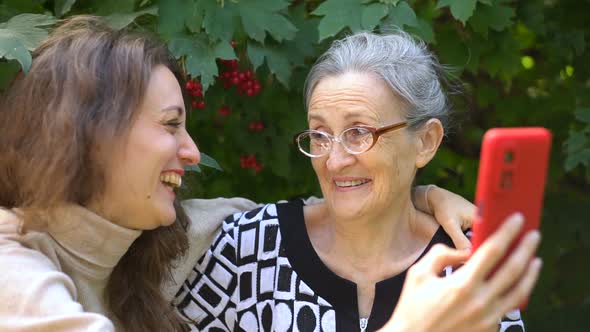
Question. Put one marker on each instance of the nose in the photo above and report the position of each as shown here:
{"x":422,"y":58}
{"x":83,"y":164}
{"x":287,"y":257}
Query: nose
{"x":188,"y":152}
{"x":339,"y":158}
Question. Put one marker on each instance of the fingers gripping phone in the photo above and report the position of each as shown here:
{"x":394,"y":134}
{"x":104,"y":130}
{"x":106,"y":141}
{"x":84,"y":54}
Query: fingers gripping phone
{"x":511,"y":178}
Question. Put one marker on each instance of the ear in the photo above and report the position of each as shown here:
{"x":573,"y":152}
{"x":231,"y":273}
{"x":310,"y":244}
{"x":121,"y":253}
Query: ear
{"x":428,"y":140}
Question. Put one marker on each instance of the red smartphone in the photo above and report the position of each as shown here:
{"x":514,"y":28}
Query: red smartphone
{"x":511,"y":178}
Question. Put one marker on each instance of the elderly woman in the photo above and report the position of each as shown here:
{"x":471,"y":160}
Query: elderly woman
{"x":376,"y":114}
{"x":93,"y":145}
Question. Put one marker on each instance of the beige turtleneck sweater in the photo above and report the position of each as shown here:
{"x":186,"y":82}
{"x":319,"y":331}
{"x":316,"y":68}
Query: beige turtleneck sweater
{"x":54,"y":280}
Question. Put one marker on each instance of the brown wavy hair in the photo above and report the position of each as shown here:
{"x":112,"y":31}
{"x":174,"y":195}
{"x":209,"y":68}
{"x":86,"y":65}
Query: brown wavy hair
{"x":85,"y":85}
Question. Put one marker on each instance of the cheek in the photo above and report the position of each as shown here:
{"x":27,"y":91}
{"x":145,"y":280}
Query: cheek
{"x":392,"y":164}
{"x":317,"y":164}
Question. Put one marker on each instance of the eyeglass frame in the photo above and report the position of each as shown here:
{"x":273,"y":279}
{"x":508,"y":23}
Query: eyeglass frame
{"x":375,"y":132}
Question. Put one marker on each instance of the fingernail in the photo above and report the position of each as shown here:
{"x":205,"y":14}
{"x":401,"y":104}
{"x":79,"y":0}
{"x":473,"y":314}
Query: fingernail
{"x":534,"y":236}
{"x":516,"y":220}
{"x":537,"y":263}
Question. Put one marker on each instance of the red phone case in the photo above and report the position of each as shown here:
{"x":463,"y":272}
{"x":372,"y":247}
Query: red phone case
{"x":511,"y":178}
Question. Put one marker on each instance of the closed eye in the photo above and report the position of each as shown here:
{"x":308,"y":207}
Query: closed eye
{"x":175,"y":124}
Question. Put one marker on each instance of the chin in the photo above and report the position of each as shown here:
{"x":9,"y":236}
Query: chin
{"x":168,"y":219}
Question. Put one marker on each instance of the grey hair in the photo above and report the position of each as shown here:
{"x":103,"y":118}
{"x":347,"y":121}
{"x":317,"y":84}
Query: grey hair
{"x":404,"y":63}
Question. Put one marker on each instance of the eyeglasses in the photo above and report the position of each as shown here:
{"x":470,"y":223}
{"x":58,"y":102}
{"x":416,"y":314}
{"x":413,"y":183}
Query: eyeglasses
{"x":355,"y":140}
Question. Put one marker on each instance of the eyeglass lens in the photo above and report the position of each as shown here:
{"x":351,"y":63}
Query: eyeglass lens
{"x":355,"y":139}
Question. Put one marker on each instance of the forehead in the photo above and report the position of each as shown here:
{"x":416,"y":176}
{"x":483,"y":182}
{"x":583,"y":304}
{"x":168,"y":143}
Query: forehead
{"x":355,"y":94}
{"x":163,"y":90}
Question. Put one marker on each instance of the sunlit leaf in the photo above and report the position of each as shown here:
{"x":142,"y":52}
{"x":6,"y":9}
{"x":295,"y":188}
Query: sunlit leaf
{"x":11,"y":48}
{"x":30,"y":29}
{"x":194,"y":168}
{"x":21,"y":34}
{"x":206,"y":160}
{"x":61,"y":7}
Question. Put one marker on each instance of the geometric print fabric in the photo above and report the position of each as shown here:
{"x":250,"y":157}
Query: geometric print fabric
{"x":244,"y":282}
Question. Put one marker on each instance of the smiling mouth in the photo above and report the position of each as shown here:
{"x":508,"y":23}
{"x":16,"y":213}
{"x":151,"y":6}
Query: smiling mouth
{"x":353,"y":183}
{"x":171,"y":180}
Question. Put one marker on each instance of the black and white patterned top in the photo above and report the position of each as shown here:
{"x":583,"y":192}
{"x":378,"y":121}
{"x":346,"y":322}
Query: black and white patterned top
{"x":262,"y":274}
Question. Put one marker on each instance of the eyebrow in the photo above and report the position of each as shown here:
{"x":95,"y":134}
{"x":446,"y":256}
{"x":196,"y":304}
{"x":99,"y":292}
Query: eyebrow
{"x":347,"y":116}
{"x":173,"y":108}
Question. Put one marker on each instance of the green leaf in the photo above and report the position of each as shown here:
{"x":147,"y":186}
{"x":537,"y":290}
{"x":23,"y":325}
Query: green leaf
{"x":577,"y":150}
{"x":400,"y":15}
{"x":303,"y":45}
{"x":23,"y":6}
{"x":21,"y":34}
{"x":504,"y":56}
{"x":30,"y":29}
{"x":337,"y":15}
{"x":173,"y":15}
{"x":108,"y":7}
{"x":261,"y":16}
{"x":118,"y":21}
{"x":195,"y":20}
{"x":61,"y":7}
{"x":193,"y":168}
{"x":462,"y":10}
{"x":206,"y":160}
{"x":372,"y":15}
{"x":583,"y":114}
{"x":276,"y":60}
{"x":497,"y":17}
{"x":200,"y":55}
{"x":8,"y":71}
{"x":423,"y":30}
{"x":219,"y":22}
{"x":11,"y":48}
{"x":451,"y":48}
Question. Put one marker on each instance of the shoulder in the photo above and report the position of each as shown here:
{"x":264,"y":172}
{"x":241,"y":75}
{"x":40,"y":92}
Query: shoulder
{"x":206,"y":211}
{"x":22,"y":255}
{"x":243,"y":221}
{"x":10,"y":223}
{"x":36,"y":294}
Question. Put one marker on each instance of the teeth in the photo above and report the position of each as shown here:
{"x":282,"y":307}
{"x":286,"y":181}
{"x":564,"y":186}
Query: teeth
{"x":350,"y":183}
{"x":171,"y":179}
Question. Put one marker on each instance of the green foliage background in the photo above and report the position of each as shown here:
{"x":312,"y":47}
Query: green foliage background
{"x":522,"y":63}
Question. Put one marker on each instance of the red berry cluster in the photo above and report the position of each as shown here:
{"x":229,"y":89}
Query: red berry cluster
{"x":256,"y":126}
{"x":250,"y":161}
{"x":245,"y":80}
{"x":224,"y":111}
{"x":195,"y":90}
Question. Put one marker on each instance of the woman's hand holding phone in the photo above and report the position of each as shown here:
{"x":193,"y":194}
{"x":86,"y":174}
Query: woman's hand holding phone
{"x":469,"y":300}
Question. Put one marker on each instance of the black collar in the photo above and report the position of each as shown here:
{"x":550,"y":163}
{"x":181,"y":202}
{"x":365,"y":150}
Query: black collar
{"x":339,"y":292}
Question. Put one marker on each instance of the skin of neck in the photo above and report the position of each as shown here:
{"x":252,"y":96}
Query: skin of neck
{"x":373,"y":246}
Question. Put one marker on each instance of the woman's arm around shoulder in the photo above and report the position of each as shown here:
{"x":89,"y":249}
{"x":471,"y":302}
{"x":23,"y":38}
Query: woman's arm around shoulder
{"x":35,"y":295}
{"x":205,"y":217}
{"x":209,"y":292}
